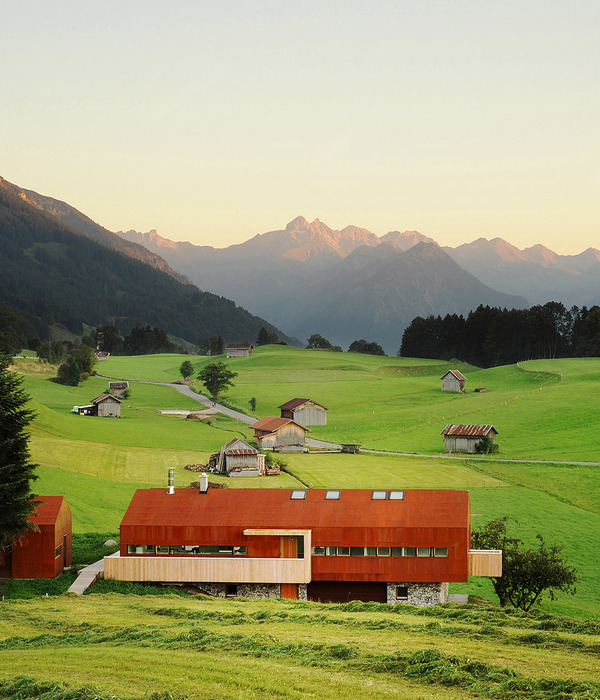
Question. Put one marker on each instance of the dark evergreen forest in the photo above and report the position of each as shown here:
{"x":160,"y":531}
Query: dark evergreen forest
{"x":490,"y":336}
{"x":51,"y":274}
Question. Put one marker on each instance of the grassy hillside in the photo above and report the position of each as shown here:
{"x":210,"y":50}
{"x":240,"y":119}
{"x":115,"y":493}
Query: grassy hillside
{"x":201,"y":648}
{"x":543,"y":410}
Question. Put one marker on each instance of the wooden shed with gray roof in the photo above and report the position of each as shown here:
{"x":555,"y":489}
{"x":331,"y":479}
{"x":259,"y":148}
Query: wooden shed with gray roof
{"x":304,"y":411}
{"x":453,"y":380}
{"x":466,"y":438}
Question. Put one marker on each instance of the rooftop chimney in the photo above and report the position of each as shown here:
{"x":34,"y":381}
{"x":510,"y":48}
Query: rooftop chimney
{"x":203,"y":483}
{"x":171,"y":488}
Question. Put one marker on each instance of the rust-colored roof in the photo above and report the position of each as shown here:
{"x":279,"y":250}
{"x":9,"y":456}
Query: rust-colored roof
{"x":103,"y":397}
{"x":270,"y":424}
{"x":296,"y":403}
{"x":46,"y":509}
{"x":118,"y":385}
{"x":468,"y":430}
{"x":268,"y":508}
{"x":461,"y":377}
{"x":241,"y":453}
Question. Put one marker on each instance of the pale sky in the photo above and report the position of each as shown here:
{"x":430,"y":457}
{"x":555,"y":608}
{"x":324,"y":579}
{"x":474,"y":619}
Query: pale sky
{"x":214,"y":121}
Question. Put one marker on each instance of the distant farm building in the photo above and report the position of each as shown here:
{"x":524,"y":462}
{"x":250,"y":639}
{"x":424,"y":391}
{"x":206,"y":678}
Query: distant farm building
{"x":453,"y":380}
{"x":118,"y":389}
{"x":281,"y":434}
{"x":466,"y":438}
{"x":304,"y":411}
{"x":106,"y":406}
{"x":102,"y":355}
{"x":238,"y":458}
{"x":239,"y":349}
{"x":46,"y":551}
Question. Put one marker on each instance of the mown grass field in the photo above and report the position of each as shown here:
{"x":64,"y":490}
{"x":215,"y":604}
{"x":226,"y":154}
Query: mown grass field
{"x":127,"y":646}
{"x":542,"y":409}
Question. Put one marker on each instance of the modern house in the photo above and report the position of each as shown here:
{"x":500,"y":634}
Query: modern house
{"x":304,"y":411}
{"x":106,"y":406}
{"x":331,"y":545}
{"x":466,"y":438}
{"x":283,"y":434}
{"x":46,"y":549}
{"x":238,"y":458}
{"x":118,"y":389}
{"x":453,"y":380}
{"x":239,"y":349}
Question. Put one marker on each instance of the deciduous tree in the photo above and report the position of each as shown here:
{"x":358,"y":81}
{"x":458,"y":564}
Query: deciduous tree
{"x":216,"y":377}
{"x":16,"y":470}
{"x":186,"y":369}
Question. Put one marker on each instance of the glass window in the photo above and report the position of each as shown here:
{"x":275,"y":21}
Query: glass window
{"x":149,"y":549}
{"x":162,"y":548}
{"x":441,"y":551}
{"x":410,"y":551}
{"x":357,"y":551}
{"x":176,"y":549}
{"x":240,"y":551}
{"x":396,"y":551}
{"x":370,"y":551}
{"x":58,"y":551}
{"x":331,"y":551}
{"x":383,"y":551}
{"x":422,"y":551}
{"x":318,"y":551}
{"x":131,"y":548}
{"x":343,"y":551}
{"x":333,"y":495}
{"x":396,"y":496}
{"x":298,"y":495}
{"x":401,"y":592}
{"x":378,"y":495}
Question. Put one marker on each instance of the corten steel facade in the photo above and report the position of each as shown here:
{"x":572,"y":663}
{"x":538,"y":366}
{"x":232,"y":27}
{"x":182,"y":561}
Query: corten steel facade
{"x":296,"y":538}
{"x":45,"y":551}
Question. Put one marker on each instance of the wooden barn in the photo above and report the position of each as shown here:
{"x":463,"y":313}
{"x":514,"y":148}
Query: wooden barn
{"x":331,"y":545}
{"x":45,"y":551}
{"x":282,"y":434}
{"x":239,"y":349}
{"x":453,"y":380}
{"x":466,"y":438}
{"x":106,"y":406}
{"x":304,"y":411}
{"x":238,"y":458}
{"x":118,"y":389}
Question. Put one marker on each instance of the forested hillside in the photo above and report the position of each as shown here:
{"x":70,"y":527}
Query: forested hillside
{"x":53,"y":275}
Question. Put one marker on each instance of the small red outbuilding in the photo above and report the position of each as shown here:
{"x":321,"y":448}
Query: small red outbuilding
{"x":45,"y":551}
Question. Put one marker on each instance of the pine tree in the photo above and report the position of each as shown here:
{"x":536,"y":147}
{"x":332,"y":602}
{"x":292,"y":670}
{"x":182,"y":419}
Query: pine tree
{"x":16,"y":470}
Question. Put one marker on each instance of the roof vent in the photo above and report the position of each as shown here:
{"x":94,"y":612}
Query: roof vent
{"x":171,"y":488}
{"x":203,"y":483}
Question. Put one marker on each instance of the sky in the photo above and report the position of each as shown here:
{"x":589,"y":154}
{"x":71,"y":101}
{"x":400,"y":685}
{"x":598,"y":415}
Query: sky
{"x":214,"y":121}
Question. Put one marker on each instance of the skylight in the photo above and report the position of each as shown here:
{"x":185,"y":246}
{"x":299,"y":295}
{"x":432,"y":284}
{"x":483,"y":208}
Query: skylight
{"x":333,"y":495}
{"x":298,"y":495}
{"x":378,"y":495}
{"x":396,"y":496}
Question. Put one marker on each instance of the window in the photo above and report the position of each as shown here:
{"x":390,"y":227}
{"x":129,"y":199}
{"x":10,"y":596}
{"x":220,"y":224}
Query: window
{"x":298,"y":495}
{"x":370,"y":551}
{"x":423,"y":551}
{"x":383,"y":551}
{"x":343,"y":551}
{"x":162,"y":549}
{"x":318,"y":551}
{"x":401,"y":592}
{"x":331,"y":551}
{"x":441,"y":551}
{"x":410,"y":551}
{"x":396,"y":496}
{"x":396,"y":551}
{"x":378,"y":495}
{"x":58,"y":551}
{"x":239,"y":551}
{"x":357,"y":551}
{"x":333,"y":495}
{"x":176,"y":549}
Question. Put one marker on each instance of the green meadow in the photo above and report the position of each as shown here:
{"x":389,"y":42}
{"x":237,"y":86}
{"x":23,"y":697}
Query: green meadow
{"x":543,"y":410}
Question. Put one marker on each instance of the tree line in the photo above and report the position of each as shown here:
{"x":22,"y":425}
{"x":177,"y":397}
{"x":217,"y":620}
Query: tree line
{"x":490,"y":336}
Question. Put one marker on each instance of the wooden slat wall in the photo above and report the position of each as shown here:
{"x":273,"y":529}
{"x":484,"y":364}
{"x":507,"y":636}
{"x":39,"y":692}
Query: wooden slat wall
{"x":485,"y":562}
{"x":210,"y":569}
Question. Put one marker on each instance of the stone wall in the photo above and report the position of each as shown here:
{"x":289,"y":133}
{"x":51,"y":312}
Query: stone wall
{"x":303,"y":591}
{"x":244,"y":590}
{"x":423,"y":594}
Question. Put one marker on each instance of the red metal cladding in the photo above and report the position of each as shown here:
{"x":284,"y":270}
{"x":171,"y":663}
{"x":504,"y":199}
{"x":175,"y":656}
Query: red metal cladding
{"x":423,"y":518}
{"x":44,"y":552}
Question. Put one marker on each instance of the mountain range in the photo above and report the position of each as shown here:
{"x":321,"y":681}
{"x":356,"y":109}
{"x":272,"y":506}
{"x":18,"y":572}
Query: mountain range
{"x":56,"y":276}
